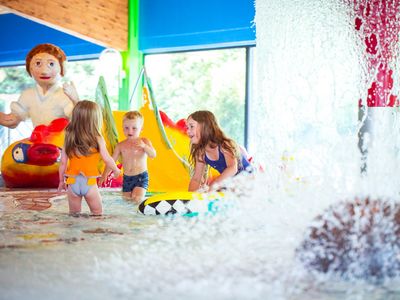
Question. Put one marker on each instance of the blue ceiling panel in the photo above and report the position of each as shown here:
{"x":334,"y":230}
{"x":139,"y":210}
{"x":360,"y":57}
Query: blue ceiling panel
{"x":19,"y":35}
{"x":164,"y":26}
{"x":191,"y":24}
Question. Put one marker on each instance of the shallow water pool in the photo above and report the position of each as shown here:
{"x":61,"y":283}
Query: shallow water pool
{"x":239,"y":253}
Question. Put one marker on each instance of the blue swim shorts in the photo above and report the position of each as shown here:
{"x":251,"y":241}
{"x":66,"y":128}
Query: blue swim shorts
{"x":140,"y":180}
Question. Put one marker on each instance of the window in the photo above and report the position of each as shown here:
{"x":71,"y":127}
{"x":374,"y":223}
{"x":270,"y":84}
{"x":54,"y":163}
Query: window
{"x":212,"y":80}
{"x":85,"y":76}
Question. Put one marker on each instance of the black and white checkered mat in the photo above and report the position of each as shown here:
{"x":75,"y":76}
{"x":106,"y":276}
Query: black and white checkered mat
{"x":175,"y":206}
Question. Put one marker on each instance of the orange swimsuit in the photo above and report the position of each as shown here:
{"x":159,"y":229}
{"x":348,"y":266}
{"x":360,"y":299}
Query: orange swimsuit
{"x":83,"y":165}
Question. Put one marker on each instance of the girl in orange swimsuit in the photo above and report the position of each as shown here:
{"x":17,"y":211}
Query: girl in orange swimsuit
{"x":83,"y":148}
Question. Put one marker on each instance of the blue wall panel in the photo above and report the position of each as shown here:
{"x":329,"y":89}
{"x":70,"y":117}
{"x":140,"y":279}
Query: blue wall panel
{"x":195,"y":24}
{"x":164,"y":25}
{"x":19,"y":35}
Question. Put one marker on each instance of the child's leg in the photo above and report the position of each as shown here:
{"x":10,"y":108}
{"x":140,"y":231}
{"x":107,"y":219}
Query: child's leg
{"x":138,"y":194}
{"x":93,"y":200}
{"x":74,"y":202}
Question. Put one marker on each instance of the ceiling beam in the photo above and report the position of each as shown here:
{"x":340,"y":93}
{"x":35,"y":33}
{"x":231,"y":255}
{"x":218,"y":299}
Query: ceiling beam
{"x":104,"y":22}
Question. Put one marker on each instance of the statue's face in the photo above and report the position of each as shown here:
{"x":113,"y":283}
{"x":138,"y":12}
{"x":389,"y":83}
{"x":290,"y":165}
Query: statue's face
{"x":45,"y":69}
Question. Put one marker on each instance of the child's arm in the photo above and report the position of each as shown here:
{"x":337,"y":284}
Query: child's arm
{"x":195,"y":181}
{"x":231,"y":168}
{"x":147,"y":147}
{"x":61,"y":171}
{"x":108,"y":160}
{"x":107,"y":170}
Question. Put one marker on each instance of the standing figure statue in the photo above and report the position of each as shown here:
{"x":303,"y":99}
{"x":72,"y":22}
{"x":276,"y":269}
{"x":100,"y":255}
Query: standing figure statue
{"x":48,"y":99}
{"x":34,"y":161}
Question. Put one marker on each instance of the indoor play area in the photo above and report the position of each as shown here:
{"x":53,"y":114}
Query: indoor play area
{"x":317,"y":218}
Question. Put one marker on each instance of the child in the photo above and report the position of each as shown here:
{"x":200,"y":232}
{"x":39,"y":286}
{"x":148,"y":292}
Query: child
{"x":48,"y":100}
{"x":134,"y":151}
{"x":210,"y":146}
{"x":83,"y":148}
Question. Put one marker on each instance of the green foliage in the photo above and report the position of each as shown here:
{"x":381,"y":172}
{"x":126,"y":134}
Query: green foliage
{"x":15,"y":79}
{"x":86,"y":67}
{"x":83,"y":74}
{"x":206,"y":80}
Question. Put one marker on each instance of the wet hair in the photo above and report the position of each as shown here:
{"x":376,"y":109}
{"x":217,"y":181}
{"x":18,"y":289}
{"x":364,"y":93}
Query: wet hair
{"x":46,"y":48}
{"x":210,"y":134}
{"x":133,"y":115}
{"x":84,"y":129}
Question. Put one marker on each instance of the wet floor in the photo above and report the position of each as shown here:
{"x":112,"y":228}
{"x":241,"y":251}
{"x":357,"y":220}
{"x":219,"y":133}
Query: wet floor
{"x":237,"y":254}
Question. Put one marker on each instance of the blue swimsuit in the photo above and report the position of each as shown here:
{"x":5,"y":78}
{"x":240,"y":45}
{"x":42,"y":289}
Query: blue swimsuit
{"x":220,"y":164}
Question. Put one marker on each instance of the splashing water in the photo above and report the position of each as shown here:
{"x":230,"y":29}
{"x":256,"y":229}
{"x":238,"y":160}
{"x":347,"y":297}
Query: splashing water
{"x":314,"y":65}
{"x":355,"y":240}
{"x":245,"y":251}
{"x":312,"y":70}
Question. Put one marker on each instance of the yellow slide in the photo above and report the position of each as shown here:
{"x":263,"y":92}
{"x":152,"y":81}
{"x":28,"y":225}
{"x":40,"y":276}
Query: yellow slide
{"x":169,"y":170}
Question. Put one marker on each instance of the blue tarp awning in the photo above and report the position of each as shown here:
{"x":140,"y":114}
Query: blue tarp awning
{"x":167,"y":26}
{"x":19,"y":35}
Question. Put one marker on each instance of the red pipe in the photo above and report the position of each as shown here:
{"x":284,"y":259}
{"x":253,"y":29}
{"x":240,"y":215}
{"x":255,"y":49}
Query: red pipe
{"x":377,"y":23}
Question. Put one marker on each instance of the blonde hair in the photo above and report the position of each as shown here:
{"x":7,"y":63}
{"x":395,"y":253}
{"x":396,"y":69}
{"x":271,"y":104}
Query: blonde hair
{"x":210,"y":133}
{"x":133,"y":115}
{"x":84,"y":129}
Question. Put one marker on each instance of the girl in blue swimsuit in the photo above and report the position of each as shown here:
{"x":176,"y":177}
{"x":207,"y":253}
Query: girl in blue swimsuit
{"x":209,"y":146}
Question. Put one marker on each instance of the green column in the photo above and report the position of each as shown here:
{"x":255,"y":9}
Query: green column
{"x":132,"y":62}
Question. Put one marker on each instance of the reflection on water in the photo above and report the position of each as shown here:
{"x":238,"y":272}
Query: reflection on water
{"x":26,"y":228}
